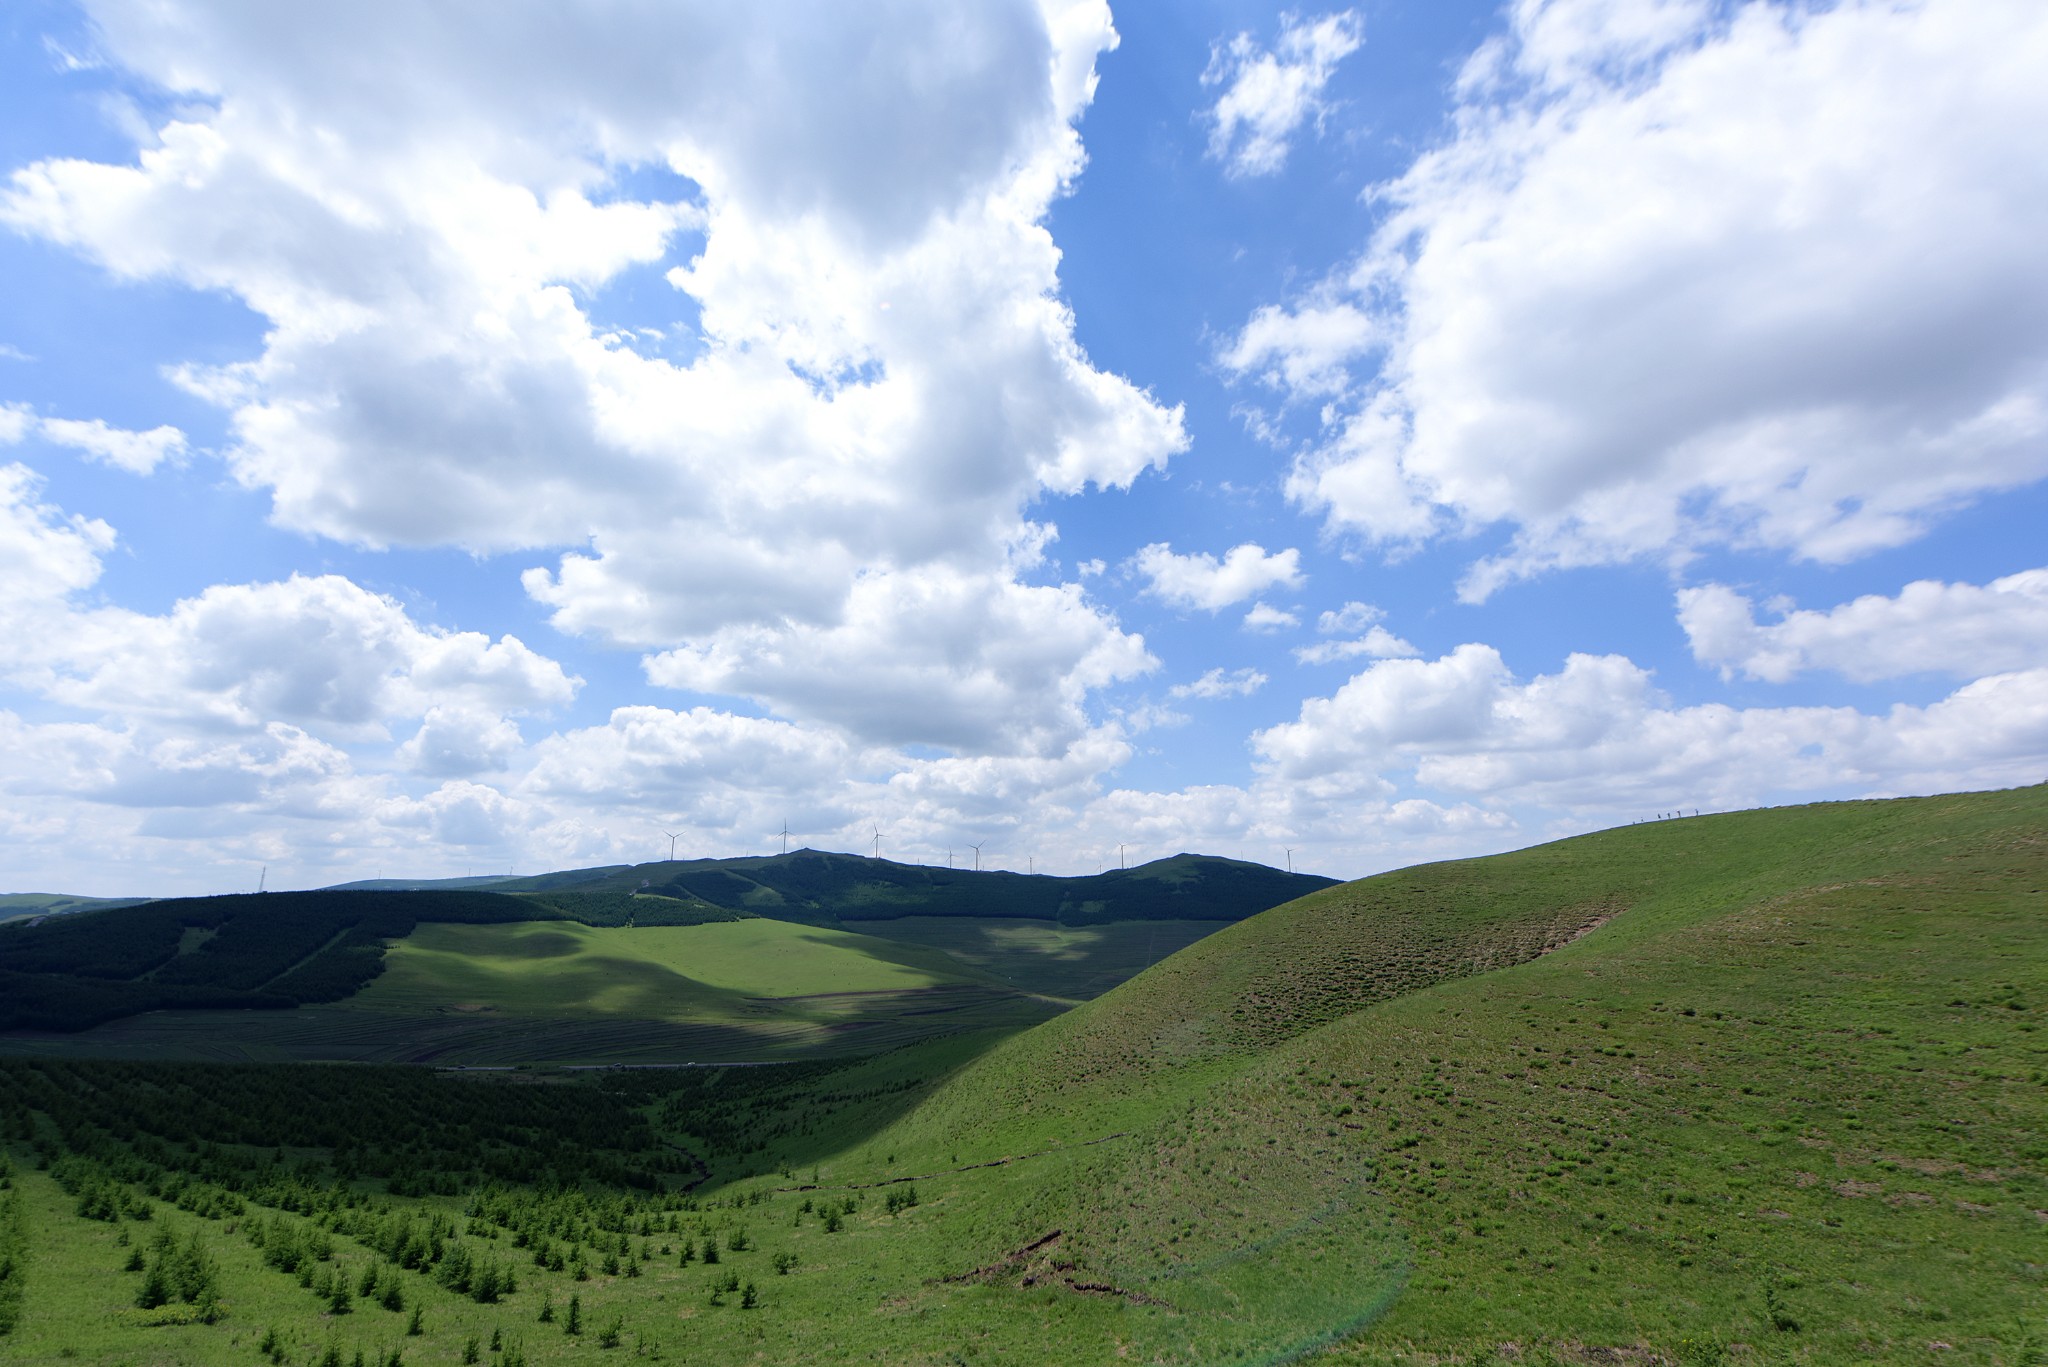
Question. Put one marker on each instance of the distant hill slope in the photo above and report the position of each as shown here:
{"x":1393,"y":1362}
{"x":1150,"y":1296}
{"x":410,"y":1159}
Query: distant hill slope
{"x":22,"y":905}
{"x":483,"y":882}
{"x":285,"y":949}
{"x":262,"y":950}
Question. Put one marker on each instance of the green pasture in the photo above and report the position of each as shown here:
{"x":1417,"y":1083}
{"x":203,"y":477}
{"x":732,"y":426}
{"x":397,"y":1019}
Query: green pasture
{"x":561,"y":968}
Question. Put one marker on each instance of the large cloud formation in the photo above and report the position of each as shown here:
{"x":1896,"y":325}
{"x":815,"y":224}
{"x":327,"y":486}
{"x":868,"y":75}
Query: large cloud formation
{"x":1598,"y":736}
{"x":855,"y":376}
{"x":1690,"y":275}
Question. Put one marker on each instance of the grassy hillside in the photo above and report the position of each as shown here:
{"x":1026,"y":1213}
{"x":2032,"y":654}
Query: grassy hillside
{"x":1761,"y":1088}
{"x":1789,"y":1075}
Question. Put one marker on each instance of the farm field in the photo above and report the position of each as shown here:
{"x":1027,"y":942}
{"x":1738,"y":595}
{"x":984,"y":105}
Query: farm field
{"x":1758,"y":1088}
{"x":644,"y":973}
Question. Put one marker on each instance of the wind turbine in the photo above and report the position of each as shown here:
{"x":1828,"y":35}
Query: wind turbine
{"x":261,"y":877}
{"x":977,"y":855}
{"x":672,"y":836}
{"x":1290,"y":859}
{"x":785,"y":837}
{"x":1119,"y":854}
{"x":878,"y":842}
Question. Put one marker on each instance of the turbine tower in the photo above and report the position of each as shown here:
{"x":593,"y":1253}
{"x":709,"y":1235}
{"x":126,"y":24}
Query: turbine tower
{"x":785,"y":837}
{"x":1290,"y":859}
{"x":977,"y":855}
{"x":672,"y":836}
{"x":878,"y":842}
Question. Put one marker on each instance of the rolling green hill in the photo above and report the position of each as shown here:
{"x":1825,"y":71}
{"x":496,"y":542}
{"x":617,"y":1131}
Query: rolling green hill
{"x":1668,"y":1088}
{"x":1758,"y":1088}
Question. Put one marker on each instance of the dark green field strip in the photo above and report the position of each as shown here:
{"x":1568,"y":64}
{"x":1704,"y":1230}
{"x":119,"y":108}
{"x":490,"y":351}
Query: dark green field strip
{"x":316,"y":1034}
{"x":843,"y":1025}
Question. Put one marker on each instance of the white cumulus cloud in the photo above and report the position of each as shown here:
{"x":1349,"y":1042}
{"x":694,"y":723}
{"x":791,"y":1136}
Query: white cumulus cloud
{"x":1265,"y":618}
{"x":136,"y":452}
{"x":1930,"y":627}
{"x":1201,"y":581}
{"x":855,"y":364}
{"x":1599,"y":736}
{"x":1603,"y":316}
{"x":1377,"y":642}
{"x":982,"y":665}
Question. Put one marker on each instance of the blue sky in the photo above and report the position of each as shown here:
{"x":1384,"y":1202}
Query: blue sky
{"x":484,"y":438}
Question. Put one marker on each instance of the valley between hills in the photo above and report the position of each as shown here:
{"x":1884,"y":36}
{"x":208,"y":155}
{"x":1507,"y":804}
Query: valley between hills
{"x":1756,"y":1087}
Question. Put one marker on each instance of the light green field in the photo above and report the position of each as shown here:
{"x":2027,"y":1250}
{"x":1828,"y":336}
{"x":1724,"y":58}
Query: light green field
{"x":665,"y":973}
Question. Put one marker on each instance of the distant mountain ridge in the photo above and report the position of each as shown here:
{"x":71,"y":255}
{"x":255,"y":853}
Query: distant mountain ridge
{"x":822,"y":887}
{"x":815,"y":885}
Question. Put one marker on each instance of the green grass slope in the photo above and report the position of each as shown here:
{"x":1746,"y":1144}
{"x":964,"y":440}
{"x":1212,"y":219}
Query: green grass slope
{"x":1777,"y":1089}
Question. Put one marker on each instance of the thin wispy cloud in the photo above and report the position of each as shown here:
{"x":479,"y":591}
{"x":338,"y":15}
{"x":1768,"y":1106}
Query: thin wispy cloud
{"x":1265,"y":95}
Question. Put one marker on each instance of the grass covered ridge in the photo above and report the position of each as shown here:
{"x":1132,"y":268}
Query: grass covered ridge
{"x":1785,"y":1098}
